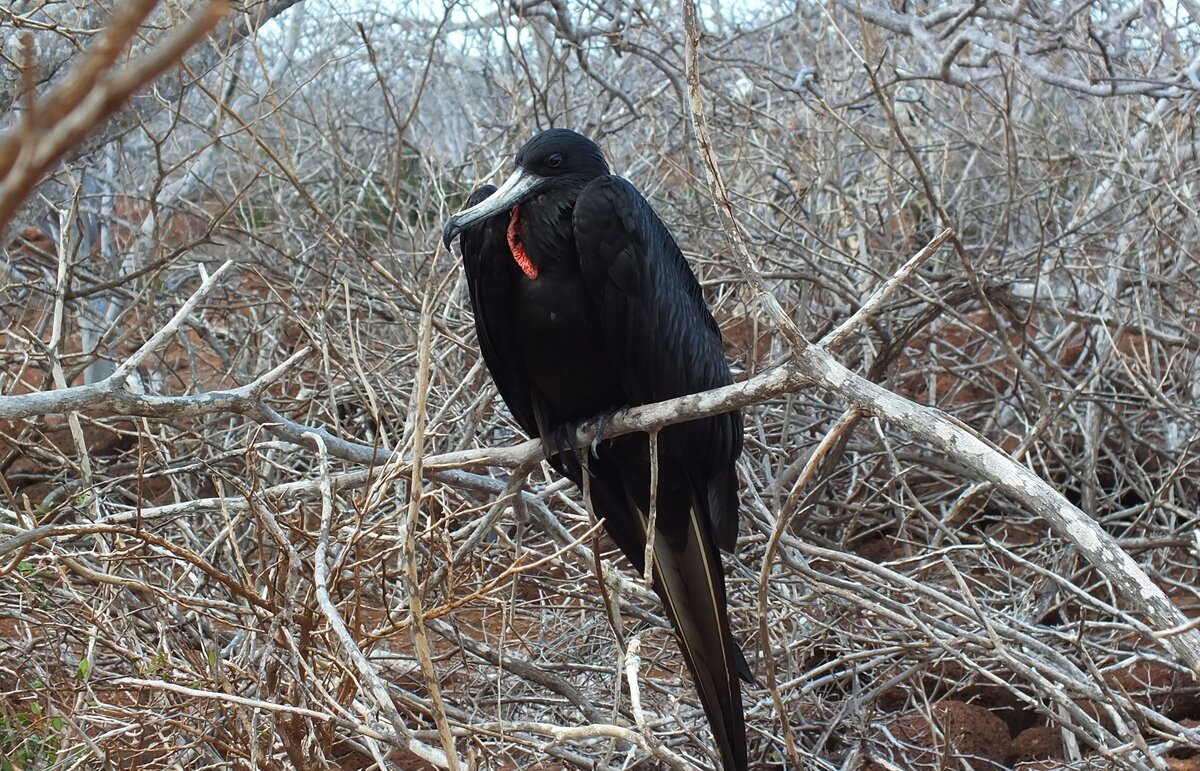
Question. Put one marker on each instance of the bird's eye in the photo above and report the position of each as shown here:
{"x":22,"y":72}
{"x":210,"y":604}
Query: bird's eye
{"x":554,"y":161}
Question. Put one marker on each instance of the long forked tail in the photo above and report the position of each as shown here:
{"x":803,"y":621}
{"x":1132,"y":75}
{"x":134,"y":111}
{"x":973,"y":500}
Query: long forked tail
{"x":689,"y":579}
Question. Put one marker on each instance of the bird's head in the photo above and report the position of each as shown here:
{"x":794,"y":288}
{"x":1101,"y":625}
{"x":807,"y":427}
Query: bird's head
{"x":556,"y":158}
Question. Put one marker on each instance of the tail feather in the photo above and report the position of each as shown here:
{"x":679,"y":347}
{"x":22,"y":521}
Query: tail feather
{"x":743,"y":667}
{"x":689,"y":579}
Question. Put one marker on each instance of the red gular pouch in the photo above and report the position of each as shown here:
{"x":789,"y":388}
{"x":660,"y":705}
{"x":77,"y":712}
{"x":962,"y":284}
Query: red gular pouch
{"x":518,"y":250}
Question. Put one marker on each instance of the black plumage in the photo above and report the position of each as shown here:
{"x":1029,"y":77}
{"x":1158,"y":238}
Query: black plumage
{"x":583,"y":305}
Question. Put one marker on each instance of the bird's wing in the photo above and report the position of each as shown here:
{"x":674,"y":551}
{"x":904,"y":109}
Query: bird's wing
{"x":659,"y":333}
{"x":490,"y":274}
{"x":661,"y":339}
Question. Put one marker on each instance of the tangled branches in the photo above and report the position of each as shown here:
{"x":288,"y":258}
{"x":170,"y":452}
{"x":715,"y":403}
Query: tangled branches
{"x":270,"y":511}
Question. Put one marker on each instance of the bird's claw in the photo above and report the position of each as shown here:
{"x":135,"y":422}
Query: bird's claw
{"x":603,"y":421}
{"x":564,"y":442}
{"x":564,"y":437}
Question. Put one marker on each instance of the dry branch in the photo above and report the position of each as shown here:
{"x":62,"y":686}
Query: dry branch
{"x":983,"y":458}
{"x":61,"y":120}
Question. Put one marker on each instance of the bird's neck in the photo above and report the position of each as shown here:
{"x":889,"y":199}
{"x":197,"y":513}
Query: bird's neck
{"x":540,"y":234}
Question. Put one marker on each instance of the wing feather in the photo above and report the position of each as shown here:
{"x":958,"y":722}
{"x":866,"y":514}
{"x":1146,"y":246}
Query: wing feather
{"x":491,"y":273}
{"x":660,"y":334}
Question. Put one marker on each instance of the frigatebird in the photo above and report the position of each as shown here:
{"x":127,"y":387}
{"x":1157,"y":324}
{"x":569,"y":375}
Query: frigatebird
{"x":585,"y":305}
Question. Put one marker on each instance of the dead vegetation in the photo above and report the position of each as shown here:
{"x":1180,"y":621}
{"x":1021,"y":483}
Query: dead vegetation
{"x":226,"y":557}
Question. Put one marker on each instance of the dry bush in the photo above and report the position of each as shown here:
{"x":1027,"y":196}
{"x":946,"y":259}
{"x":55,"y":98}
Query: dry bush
{"x":202,"y":583}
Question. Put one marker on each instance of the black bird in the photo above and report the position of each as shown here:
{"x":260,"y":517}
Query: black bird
{"x":584,"y":305}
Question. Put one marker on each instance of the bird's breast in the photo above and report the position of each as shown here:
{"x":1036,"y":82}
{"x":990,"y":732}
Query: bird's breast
{"x":563,"y":350}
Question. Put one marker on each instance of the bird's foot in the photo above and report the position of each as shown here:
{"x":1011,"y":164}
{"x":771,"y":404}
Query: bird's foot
{"x":602,"y":422}
{"x":563,"y":439}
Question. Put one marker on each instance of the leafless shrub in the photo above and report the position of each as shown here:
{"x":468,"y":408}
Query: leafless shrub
{"x":222,"y":553}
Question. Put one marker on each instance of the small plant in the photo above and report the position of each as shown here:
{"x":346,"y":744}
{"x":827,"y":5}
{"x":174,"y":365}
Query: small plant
{"x":28,"y":737}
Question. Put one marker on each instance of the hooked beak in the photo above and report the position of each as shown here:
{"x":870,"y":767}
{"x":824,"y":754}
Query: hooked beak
{"x":514,"y":190}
